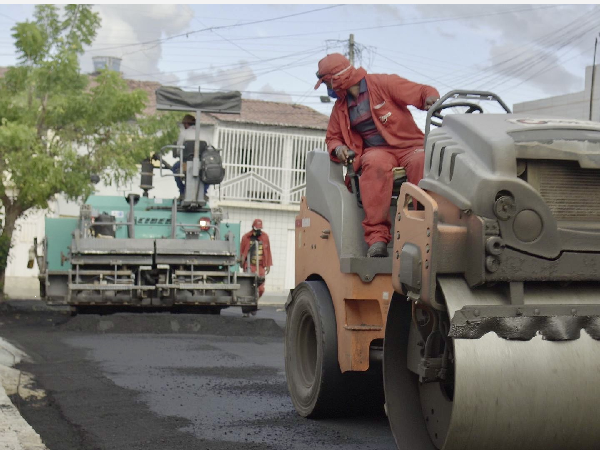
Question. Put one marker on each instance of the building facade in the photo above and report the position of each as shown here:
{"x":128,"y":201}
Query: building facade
{"x":264,"y":152}
{"x":571,"y":106}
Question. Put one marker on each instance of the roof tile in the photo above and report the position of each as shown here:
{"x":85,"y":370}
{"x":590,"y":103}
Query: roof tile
{"x":259,"y":112}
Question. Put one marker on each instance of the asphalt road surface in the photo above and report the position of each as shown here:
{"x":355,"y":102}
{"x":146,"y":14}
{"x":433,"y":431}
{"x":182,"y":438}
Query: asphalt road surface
{"x":163,"y":381}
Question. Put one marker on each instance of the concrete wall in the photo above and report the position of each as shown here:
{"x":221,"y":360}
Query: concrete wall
{"x":571,"y":106}
{"x":21,"y":281}
{"x":279,"y":224}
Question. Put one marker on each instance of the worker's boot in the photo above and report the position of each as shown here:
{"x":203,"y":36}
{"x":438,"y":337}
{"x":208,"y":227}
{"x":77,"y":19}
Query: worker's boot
{"x":377,"y":250}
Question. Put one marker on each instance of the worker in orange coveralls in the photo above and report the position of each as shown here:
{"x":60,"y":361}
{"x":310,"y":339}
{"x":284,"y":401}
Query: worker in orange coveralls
{"x":371,"y":117}
{"x":255,"y":244}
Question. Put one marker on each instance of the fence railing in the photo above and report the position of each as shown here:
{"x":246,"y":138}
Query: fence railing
{"x":264,"y":166}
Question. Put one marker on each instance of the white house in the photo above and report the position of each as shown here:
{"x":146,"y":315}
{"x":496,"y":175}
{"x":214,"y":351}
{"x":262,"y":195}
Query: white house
{"x":264,"y":153}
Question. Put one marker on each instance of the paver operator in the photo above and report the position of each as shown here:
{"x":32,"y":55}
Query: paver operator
{"x":187,"y":134}
{"x":371,"y":117}
{"x":256,"y":244}
{"x":189,"y":123}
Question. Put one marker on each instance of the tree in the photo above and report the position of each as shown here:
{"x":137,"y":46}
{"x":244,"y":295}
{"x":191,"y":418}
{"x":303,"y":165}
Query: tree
{"x":57,"y":128}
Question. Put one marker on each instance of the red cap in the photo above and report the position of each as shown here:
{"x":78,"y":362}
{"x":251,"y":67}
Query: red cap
{"x":257,"y":224}
{"x":331,"y":66}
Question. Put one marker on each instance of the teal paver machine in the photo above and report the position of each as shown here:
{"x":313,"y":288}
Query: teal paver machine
{"x":141,"y":252}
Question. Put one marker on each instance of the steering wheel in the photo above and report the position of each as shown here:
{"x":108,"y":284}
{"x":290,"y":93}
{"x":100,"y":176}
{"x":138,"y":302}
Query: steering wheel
{"x":472,"y":108}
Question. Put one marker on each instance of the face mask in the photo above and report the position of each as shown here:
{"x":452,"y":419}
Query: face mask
{"x":257,"y":232}
{"x":331,"y":93}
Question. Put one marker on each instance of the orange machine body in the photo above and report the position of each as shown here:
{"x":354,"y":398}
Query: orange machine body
{"x":360,"y":308}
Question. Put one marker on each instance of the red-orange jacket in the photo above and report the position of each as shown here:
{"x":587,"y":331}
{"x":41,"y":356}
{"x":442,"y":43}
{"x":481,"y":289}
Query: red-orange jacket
{"x":267,"y":259}
{"x":389,"y":96}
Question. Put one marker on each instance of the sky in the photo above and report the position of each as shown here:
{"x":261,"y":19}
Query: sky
{"x":270,"y":52}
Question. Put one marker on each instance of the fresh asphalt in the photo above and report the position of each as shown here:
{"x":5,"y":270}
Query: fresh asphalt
{"x":163,"y":381}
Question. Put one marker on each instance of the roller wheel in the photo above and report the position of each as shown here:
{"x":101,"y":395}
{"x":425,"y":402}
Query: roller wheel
{"x":402,"y":399}
{"x":498,"y":394}
{"x":315,"y":383}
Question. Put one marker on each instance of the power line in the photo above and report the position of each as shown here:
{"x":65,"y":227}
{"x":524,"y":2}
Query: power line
{"x":304,"y":34}
{"x":413,"y":70}
{"x":310,"y":51}
{"x":401,"y":24}
{"x":508,"y":64}
{"x":249,"y":52}
{"x":290,"y":93}
{"x":521,"y":67}
{"x":221,"y":27}
{"x":276,"y":69}
{"x":544,"y":69}
{"x":525,"y":66}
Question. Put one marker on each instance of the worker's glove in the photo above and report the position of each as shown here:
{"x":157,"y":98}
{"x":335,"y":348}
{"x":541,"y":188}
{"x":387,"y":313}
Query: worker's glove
{"x":267,"y":270}
{"x":341,"y":153}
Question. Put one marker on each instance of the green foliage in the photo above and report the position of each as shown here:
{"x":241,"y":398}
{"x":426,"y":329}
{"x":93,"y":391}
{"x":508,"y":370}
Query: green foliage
{"x":58,"y":127}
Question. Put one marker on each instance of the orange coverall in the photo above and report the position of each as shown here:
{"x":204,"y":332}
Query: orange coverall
{"x":266,"y":260}
{"x":389,"y":97}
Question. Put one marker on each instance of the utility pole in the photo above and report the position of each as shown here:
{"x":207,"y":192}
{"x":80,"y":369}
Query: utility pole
{"x":592,"y":81}
{"x":351,"y":48}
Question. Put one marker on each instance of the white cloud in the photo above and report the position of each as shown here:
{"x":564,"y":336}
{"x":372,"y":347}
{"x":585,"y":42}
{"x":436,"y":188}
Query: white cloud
{"x":124,"y":25}
{"x":237,"y":78}
{"x":526,"y":45}
{"x":529,"y":64}
{"x":385,"y":13}
{"x":273,"y":95}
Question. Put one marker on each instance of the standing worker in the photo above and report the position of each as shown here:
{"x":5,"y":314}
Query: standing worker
{"x":255,"y":250}
{"x":371,"y":117}
{"x":189,"y":123}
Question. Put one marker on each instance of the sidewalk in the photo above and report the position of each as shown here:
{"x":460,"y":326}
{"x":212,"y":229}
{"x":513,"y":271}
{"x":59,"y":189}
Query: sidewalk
{"x":273,"y":299}
{"x":15,"y":432}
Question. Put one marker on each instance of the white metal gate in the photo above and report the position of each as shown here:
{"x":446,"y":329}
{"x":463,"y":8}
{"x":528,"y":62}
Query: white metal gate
{"x":264,"y":166}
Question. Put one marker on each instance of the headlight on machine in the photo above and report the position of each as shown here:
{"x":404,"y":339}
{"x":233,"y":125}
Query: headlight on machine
{"x":204,"y":223}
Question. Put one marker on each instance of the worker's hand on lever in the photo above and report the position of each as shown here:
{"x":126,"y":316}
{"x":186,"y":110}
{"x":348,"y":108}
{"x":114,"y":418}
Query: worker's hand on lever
{"x":429,"y":102}
{"x":343,"y":153}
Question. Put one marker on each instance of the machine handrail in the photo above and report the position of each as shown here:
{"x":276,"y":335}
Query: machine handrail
{"x":180,"y":174}
{"x":464,"y":94}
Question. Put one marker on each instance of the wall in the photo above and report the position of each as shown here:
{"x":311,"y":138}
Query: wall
{"x":279,"y":224}
{"x":21,"y":281}
{"x":571,"y":106}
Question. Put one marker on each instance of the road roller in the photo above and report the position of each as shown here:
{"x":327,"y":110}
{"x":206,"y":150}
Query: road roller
{"x":483,"y":323}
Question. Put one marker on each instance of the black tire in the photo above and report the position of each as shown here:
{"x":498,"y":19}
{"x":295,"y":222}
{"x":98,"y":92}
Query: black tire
{"x":403,"y":404}
{"x":43,"y":290}
{"x":249,"y":310}
{"x":314,"y":379}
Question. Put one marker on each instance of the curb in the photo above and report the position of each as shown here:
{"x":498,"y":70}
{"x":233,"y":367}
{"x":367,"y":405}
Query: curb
{"x":15,"y":432}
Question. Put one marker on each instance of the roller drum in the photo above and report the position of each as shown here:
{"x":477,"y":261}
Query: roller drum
{"x":501,"y":394}
{"x":530,"y":395}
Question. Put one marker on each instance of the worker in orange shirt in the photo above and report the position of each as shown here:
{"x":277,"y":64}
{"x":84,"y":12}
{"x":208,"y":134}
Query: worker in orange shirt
{"x":371,"y":118}
{"x":255,"y":251}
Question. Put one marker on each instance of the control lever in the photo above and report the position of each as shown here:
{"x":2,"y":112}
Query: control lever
{"x":352,"y":175}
